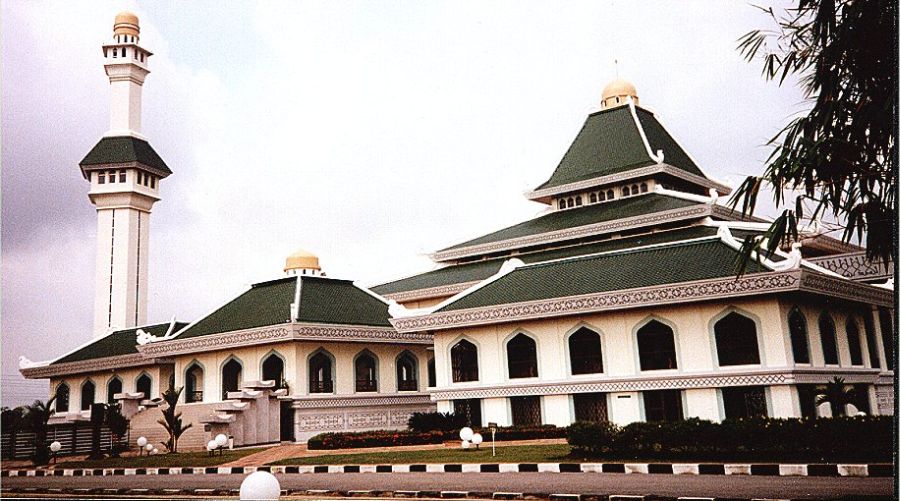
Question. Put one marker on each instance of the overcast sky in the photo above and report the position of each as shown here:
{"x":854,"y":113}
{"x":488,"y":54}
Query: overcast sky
{"x":369,"y":133}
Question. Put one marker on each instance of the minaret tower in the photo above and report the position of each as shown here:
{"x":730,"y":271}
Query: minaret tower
{"x":125,"y":173}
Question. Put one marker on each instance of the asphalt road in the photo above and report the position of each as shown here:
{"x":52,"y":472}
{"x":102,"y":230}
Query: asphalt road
{"x":549,"y":483}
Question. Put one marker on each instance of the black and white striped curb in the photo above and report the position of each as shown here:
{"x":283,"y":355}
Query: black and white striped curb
{"x":766,"y":469}
{"x":395,"y":494}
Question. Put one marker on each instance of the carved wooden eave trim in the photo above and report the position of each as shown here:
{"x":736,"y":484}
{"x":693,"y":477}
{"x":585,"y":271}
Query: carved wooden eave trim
{"x":700,"y":290}
{"x":846,"y":289}
{"x":431,"y":292}
{"x":342,"y":401}
{"x":854,"y":266}
{"x":663,"y":168}
{"x":669,"y":381}
{"x":616,"y":225}
{"x":92,"y":365}
{"x":285,"y":332}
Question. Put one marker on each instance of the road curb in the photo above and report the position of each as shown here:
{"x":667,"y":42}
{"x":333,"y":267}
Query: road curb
{"x":759,"y":469}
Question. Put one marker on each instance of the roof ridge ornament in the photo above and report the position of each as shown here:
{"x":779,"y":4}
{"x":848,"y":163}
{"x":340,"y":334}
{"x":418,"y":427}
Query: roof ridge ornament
{"x":659,"y":156}
{"x":26,"y":363}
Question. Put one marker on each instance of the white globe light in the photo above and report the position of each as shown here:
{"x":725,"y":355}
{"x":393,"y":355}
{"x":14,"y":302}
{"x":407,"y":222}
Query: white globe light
{"x":477,"y":439}
{"x":221,"y":440}
{"x":55,"y":446}
{"x":211,"y":445}
{"x":142,"y":441}
{"x":148,"y":447}
{"x":465,"y":444}
{"x":155,"y":451}
{"x":260,"y":485}
{"x":466,"y":433}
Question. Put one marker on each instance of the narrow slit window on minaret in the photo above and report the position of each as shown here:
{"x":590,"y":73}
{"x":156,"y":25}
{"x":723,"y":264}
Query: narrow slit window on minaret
{"x":124,"y":52}
{"x":101,"y":178}
{"x":153,"y":182}
{"x":643,"y":187}
{"x":115,"y":52}
{"x":121,"y":176}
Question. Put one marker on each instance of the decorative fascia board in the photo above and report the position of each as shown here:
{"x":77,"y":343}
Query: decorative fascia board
{"x":342,"y":401}
{"x":680,"y":381}
{"x":92,"y":365}
{"x":663,"y":168}
{"x":842,"y":288}
{"x":431,"y":292}
{"x":854,"y":266}
{"x":287,"y":332}
{"x":700,"y":290}
{"x":690,"y":212}
{"x":125,"y":165}
{"x":729,"y":214}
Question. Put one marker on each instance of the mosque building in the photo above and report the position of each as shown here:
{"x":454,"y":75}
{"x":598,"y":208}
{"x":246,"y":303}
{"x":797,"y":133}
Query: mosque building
{"x":619,"y":302}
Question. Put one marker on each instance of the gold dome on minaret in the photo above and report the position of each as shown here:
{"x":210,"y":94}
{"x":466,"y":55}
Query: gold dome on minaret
{"x":617,"y":92}
{"x":302,"y":260}
{"x":126,"y":24}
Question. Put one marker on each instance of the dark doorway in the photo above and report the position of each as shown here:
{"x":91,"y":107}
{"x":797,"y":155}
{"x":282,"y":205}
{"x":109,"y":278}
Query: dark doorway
{"x":231,"y":377}
{"x":287,"y":422}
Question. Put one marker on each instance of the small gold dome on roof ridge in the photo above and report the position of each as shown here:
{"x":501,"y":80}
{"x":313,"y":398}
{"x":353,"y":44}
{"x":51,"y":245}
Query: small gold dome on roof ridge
{"x":302,"y":260}
{"x":126,"y":23}
{"x":617,"y":92}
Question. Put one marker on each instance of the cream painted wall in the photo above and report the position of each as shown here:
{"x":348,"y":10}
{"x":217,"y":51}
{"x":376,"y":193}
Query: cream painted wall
{"x":101,"y":380}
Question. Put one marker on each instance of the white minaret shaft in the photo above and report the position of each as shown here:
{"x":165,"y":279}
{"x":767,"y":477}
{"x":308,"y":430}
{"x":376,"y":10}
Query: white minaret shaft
{"x":124,"y":172}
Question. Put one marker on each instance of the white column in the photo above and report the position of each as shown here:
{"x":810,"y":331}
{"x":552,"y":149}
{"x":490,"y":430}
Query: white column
{"x":624,"y":408}
{"x":557,"y":410}
{"x":702,"y":403}
{"x":495,"y":410}
{"x":785,"y":401}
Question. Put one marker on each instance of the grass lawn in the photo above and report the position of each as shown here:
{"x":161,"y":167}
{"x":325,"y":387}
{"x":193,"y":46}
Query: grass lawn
{"x":509,"y":454}
{"x":162,"y":460}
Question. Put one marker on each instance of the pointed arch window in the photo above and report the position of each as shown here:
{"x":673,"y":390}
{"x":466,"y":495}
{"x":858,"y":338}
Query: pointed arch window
{"x":736,"y":342}
{"x":829,"y":339}
{"x":321,"y":373}
{"x":273,"y":370}
{"x":562,"y":203}
{"x":871,"y":343}
{"x":626,"y":191}
{"x":610,"y":195}
{"x":585,"y":352}
{"x":193,"y":383}
{"x":593,"y":198}
{"x":643,"y":187}
{"x":62,"y":398}
{"x":601,"y":196}
{"x":856,"y":357}
{"x":231,"y":377}
{"x":799,"y":338}
{"x":144,"y":385}
{"x":656,"y":347}
{"x":88,"y":392}
{"x":366,"y":373}
{"x":464,"y":362}
{"x":885,"y":318}
{"x":406,"y":373}
{"x":113,"y":387}
{"x":432,"y":373}
{"x":521,"y":357}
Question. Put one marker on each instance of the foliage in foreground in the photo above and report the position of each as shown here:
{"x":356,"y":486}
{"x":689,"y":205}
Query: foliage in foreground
{"x":171,"y":420}
{"x":390,"y":438}
{"x":435,"y":421}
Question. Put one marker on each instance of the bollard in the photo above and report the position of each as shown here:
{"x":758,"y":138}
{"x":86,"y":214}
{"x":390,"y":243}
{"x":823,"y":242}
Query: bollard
{"x":260,"y":486}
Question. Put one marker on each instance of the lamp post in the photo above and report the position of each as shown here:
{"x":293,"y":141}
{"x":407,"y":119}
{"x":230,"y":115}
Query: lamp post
{"x":141,"y":443}
{"x":221,"y":442}
{"x":466,"y":435}
{"x":493,"y":428}
{"x":54,"y":448}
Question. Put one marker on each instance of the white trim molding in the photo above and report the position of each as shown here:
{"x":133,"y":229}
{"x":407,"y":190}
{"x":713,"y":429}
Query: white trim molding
{"x":358,"y":400}
{"x":854,"y":266}
{"x":431,"y":292}
{"x":92,"y":365}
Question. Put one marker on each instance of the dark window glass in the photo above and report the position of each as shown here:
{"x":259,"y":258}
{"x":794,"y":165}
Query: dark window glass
{"x":526,"y":411}
{"x":121,"y":176}
{"x":273,"y":370}
{"x":593,"y":198}
{"x":112,"y":388}
{"x":194,"y":384}
{"x":320,"y":374}
{"x":736,"y":340}
{"x":856,"y":357}
{"x":470,"y":408}
{"x":585,"y":353}
{"x":861,"y":398}
{"x":62,"y":398}
{"x":643,"y":187}
{"x":744,"y":402}
{"x":87,"y":395}
{"x":871,"y":343}
{"x":153,"y":182}
{"x":590,"y":407}
{"x":521,"y":355}
{"x":144,"y":385}
{"x":610,"y":195}
{"x":562,"y":203}
{"x":231,"y":377}
{"x":799,"y":339}
{"x":656,"y":347}
{"x":626,"y":191}
{"x":807,"y":394}
{"x":601,"y":196}
{"x":887,"y":336}
{"x":578,"y":201}
{"x":663,"y":405}
{"x":366,"y":378}
{"x":432,"y":374}
{"x":406,"y":373}
{"x":464,"y":362}
{"x":101,"y":178}
{"x":829,"y":339}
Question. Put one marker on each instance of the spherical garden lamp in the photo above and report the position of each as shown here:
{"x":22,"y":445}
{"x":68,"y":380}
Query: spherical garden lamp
{"x":260,"y":485}
{"x":477,"y":439}
{"x":141,"y":443}
{"x":211,"y":447}
{"x":465,"y":444}
{"x":54,"y":448}
{"x":466,"y":434}
{"x":148,"y":448}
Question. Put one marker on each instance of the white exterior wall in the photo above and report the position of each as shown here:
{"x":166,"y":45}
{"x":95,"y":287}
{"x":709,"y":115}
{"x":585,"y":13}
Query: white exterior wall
{"x":159,"y":375}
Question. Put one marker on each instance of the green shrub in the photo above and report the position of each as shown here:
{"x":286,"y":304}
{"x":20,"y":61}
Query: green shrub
{"x":435,"y":421}
{"x":592,"y":438}
{"x":390,"y":438}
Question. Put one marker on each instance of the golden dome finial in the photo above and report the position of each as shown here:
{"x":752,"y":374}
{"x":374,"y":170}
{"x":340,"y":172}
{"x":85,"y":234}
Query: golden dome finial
{"x":617,"y":92}
{"x":302,"y":263}
{"x":126,"y":24}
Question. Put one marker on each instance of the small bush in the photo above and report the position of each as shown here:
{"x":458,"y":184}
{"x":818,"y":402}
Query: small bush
{"x":593,"y":438}
{"x":435,"y":421}
{"x":390,"y":438}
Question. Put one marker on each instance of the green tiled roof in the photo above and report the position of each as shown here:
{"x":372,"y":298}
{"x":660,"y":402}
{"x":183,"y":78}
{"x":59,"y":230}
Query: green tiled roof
{"x":123,"y":149}
{"x":679,"y":262}
{"x":322,"y":300}
{"x":610,"y":143}
{"x":588,"y":214}
{"x":122,"y":342}
{"x":480,"y":270}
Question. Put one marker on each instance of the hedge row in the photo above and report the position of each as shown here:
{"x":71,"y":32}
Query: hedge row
{"x":388,"y":438}
{"x":868,"y":438}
